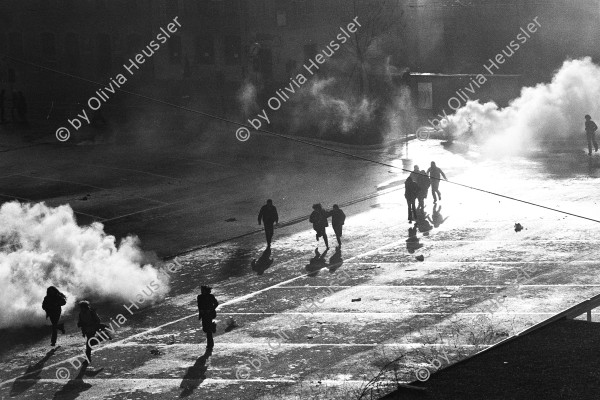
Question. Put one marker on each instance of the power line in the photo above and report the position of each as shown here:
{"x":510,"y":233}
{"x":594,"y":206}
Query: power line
{"x":295,"y":139}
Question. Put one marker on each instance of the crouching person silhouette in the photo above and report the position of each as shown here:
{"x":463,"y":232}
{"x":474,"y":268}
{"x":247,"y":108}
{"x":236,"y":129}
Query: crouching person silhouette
{"x":207,"y":305}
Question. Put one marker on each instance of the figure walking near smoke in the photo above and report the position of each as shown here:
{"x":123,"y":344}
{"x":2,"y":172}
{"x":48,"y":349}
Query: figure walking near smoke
{"x":207,"y":312}
{"x":590,"y":132}
{"x":411,"y":190}
{"x":434,"y":174}
{"x":89,"y":322}
{"x":337,"y":221}
{"x":268,"y":215}
{"x":423,"y":181}
{"x":319,"y":220}
{"x":52,"y":304}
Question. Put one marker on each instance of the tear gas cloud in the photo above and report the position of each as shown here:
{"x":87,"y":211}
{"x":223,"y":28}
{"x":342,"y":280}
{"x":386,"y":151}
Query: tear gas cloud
{"x":319,"y":103}
{"x":44,"y":246}
{"x":540,"y":116}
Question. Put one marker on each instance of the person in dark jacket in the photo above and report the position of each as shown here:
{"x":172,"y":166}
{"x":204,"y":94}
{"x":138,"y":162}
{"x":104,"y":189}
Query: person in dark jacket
{"x":207,"y":306}
{"x":52,"y":304}
{"x":423,"y":181}
{"x":337,"y":222}
{"x":319,"y":220}
{"x":590,"y":133}
{"x":89,"y":322}
{"x":411,"y":191}
{"x":268,"y":215}
{"x":435,"y":173}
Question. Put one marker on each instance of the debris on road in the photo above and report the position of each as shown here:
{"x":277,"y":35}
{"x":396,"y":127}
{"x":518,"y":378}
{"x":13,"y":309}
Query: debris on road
{"x":155,"y":352}
{"x":230,"y":220}
{"x":353,"y":300}
{"x":518,"y":227}
{"x":420,"y":258}
{"x":231,"y":324}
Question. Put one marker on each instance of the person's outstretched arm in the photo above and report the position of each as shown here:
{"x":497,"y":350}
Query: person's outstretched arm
{"x":276,"y":215}
{"x":443,"y":174}
{"x":260,"y":216}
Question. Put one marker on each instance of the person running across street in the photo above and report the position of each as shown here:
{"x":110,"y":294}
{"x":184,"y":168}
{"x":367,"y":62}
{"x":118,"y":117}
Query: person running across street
{"x":268,"y":215}
{"x":435,"y":173}
{"x":590,"y":133}
{"x":319,"y":220}
{"x":52,"y":304}
{"x":337,"y":221}
{"x":207,"y":312}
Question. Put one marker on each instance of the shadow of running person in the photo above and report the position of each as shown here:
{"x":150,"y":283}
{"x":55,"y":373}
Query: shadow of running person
{"x":335,"y":261}
{"x":422,"y":222}
{"x":316,"y":263}
{"x":413,"y":243}
{"x":31,"y":375}
{"x":76,"y":386}
{"x":263,"y":263}
{"x":437,"y":218}
{"x":195,"y":375}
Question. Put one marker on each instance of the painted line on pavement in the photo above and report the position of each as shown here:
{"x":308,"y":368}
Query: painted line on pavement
{"x":232,"y":301}
{"x":503,"y":286}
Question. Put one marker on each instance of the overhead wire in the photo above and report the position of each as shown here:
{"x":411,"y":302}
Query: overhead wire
{"x":292,"y":138}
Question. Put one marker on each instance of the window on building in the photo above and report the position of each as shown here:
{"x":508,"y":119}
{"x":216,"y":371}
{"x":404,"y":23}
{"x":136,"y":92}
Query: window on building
{"x":310,"y":51}
{"x":233,"y":47}
{"x":205,"y":49}
{"x":72,"y":52}
{"x":103,"y":54}
{"x":15,"y":44}
{"x":2,"y":42}
{"x":175,"y":49}
{"x":172,"y":8}
{"x":134,"y":44}
{"x":209,"y":8}
{"x":48,"y":46}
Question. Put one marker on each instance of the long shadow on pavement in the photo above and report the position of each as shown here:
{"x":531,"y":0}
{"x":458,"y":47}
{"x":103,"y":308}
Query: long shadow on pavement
{"x":263,"y":263}
{"x":76,"y":386}
{"x":31,"y":375}
{"x":195,"y":375}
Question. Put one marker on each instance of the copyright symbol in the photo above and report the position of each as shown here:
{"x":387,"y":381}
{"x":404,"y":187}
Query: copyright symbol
{"x":63,"y":373}
{"x":242,"y":134}
{"x":63,"y":134}
{"x":422,"y":374}
{"x":423,"y":133}
{"x":242,"y":372}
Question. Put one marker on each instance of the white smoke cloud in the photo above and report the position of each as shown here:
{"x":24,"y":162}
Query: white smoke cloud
{"x":541,"y":114}
{"x":44,"y":246}
{"x":318,"y":104}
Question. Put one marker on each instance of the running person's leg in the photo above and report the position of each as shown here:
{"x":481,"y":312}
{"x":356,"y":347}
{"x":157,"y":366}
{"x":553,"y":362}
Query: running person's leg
{"x":269,"y":233}
{"x":338,"y":234}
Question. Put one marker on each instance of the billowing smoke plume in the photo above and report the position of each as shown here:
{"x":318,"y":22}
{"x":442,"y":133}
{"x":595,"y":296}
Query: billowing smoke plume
{"x":541,"y":115}
{"x":319,"y":104}
{"x":43,"y":246}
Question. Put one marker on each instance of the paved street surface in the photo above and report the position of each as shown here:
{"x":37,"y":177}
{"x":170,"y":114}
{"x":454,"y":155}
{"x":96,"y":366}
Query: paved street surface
{"x":312,"y":324}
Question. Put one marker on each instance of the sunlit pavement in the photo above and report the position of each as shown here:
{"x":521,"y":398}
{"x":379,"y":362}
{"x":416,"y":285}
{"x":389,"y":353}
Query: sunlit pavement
{"x":317,"y":326}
